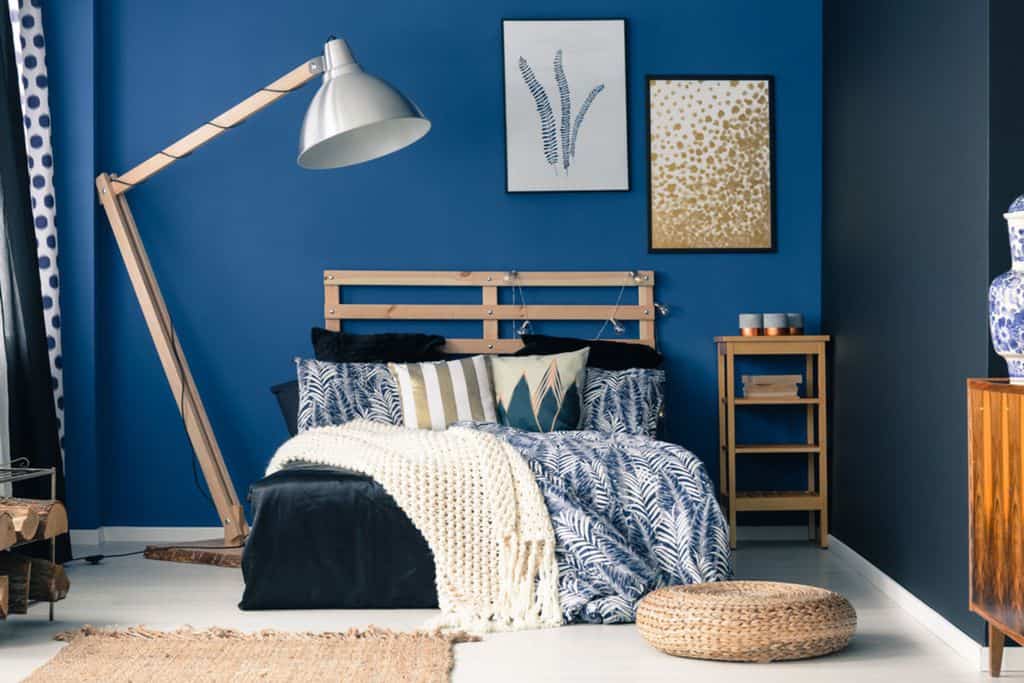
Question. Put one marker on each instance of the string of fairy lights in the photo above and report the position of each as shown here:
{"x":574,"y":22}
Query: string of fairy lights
{"x":526,"y":327}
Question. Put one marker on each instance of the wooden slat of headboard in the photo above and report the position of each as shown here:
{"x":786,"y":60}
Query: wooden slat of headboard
{"x":482,"y":312}
{"x":489,"y":311}
{"x":500,"y":345}
{"x":495,"y":278}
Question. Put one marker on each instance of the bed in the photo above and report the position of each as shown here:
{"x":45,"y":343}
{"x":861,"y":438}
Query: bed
{"x":362,"y":551}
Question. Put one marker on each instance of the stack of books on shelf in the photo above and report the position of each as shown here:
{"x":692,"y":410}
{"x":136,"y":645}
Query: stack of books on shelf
{"x":771,"y":386}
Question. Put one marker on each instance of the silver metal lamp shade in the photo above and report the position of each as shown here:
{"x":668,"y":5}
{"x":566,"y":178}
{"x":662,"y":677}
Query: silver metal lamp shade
{"x":355,"y":117}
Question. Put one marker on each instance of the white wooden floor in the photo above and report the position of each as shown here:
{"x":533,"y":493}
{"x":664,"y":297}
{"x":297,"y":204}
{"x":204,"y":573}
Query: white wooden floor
{"x":889,"y":646}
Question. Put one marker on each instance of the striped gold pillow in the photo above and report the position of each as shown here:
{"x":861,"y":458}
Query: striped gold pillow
{"x":434,"y":395}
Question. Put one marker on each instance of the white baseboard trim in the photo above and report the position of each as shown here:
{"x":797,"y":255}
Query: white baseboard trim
{"x":90,"y":537}
{"x":144,"y":534}
{"x":789,"y":532}
{"x":940,"y":627}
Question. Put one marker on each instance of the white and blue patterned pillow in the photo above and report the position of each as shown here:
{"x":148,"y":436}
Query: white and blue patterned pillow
{"x":336,"y":393}
{"x":623,"y":401}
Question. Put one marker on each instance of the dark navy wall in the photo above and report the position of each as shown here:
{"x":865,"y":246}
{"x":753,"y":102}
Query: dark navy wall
{"x":238,"y":234}
{"x":912,"y":186}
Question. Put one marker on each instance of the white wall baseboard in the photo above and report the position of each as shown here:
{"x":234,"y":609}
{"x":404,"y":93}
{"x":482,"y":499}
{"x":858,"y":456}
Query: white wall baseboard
{"x":790,"y":532}
{"x":144,"y":534}
{"x":940,"y":627}
{"x":89,"y":537}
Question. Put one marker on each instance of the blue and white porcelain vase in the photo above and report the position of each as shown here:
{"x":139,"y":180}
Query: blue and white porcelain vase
{"x":1006,"y":299}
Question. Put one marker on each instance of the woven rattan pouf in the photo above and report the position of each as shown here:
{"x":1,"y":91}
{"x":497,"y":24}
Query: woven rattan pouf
{"x":746,"y":621}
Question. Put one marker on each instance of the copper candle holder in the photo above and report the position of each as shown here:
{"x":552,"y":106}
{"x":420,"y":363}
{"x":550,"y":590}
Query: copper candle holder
{"x":751,"y":324}
{"x":795,"y":322}
{"x":776,"y":324}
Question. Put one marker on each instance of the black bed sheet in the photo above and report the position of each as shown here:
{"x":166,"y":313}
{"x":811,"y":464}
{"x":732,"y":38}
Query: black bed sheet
{"x":322,"y":538}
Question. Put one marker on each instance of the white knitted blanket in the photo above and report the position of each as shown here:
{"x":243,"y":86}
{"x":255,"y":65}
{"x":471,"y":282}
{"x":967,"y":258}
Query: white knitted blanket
{"x":473,"y":498}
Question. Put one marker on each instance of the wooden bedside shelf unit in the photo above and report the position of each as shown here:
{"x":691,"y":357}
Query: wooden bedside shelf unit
{"x":815,"y":499}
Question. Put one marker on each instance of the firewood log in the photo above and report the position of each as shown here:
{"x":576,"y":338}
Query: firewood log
{"x":18,"y":570}
{"x":53,"y":518}
{"x":52,"y":515}
{"x":24,"y":516}
{"x":47,"y":581}
{"x":3,"y":597}
{"x":8,"y":536}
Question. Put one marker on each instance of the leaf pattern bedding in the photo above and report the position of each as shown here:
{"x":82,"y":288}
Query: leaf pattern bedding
{"x":630,"y":514}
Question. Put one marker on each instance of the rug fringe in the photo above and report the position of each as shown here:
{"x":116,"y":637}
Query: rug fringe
{"x":216,"y":632}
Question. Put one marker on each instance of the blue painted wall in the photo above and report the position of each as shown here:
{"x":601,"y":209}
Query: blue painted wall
{"x":238,"y":235}
{"x":70,"y":35}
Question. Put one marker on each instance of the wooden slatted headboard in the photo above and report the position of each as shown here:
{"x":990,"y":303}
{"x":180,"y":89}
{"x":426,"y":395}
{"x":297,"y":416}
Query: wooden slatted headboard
{"x":488,"y":311}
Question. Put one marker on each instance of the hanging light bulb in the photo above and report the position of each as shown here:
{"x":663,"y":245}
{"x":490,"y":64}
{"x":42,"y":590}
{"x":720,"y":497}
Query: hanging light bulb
{"x":617,"y":326}
{"x":662,"y":309}
{"x":524,"y":328}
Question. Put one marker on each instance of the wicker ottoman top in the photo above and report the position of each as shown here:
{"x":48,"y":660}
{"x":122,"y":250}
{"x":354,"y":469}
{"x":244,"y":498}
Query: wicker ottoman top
{"x":746,"y":621}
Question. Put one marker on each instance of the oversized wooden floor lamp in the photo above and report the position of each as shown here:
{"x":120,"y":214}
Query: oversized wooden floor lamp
{"x":354,"y":117}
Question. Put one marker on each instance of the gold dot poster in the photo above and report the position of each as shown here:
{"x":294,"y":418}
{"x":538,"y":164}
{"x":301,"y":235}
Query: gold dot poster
{"x":711,"y":175}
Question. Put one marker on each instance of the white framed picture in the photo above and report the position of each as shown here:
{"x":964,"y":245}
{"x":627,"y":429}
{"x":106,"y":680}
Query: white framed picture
{"x":565,"y":105}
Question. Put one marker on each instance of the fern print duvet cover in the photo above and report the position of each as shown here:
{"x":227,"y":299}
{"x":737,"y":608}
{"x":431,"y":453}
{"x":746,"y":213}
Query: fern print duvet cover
{"x":630,"y":514}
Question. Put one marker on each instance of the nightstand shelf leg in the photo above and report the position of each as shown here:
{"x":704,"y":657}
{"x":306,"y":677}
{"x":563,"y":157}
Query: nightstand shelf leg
{"x":823,"y":453}
{"x":730,"y":410}
{"x":723,"y":479}
{"x":809,"y":390}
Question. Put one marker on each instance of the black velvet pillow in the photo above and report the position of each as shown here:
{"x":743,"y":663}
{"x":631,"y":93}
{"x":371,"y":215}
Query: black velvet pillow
{"x":604,"y":354}
{"x":287,"y":395}
{"x":339,"y":347}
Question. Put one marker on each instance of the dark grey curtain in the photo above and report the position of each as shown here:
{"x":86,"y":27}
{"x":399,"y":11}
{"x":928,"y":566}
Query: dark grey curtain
{"x":33,"y":420}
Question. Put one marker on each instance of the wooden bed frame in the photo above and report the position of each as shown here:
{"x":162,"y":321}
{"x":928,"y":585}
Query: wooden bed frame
{"x":489,"y":312}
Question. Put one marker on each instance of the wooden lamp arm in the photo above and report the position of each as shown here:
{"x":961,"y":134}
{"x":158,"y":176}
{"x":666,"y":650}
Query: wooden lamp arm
{"x":112,"y":197}
{"x":184,"y":146}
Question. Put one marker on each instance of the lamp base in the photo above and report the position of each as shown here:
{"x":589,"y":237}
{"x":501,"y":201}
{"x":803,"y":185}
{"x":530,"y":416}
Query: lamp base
{"x":210,"y":552}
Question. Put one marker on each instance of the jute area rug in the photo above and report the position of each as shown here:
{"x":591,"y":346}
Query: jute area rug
{"x":141,"y":655}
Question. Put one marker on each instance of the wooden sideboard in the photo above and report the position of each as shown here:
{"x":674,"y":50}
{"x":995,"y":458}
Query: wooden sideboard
{"x":995,"y":424}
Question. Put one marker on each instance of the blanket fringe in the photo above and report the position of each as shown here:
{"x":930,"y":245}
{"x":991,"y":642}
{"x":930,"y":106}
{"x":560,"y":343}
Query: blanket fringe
{"x":478,"y":506}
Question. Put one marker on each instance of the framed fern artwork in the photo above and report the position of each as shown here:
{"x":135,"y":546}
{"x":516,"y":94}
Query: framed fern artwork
{"x":712,"y":163}
{"x":565,"y":105}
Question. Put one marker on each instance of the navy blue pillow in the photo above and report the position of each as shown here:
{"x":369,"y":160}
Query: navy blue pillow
{"x":392,"y":347}
{"x":287,"y":395}
{"x":604,"y":354}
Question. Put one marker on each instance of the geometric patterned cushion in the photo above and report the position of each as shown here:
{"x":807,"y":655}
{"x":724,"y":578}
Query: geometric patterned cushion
{"x":623,"y":401}
{"x":540,"y":393}
{"x":336,"y":393}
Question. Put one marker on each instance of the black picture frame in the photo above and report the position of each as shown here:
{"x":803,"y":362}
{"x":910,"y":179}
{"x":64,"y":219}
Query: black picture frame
{"x":773,"y":181}
{"x":626,"y":84}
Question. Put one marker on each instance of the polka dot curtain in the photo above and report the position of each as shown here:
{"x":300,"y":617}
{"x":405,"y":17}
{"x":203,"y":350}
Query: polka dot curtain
{"x":30,"y":52}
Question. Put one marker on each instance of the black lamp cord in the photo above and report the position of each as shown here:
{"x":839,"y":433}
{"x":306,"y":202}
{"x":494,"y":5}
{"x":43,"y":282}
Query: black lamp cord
{"x":179,"y":366}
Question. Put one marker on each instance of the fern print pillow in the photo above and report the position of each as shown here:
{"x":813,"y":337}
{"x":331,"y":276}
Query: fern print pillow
{"x":623,"y":401}
{"x":336,"y":393}
{"x":540,"y":393}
